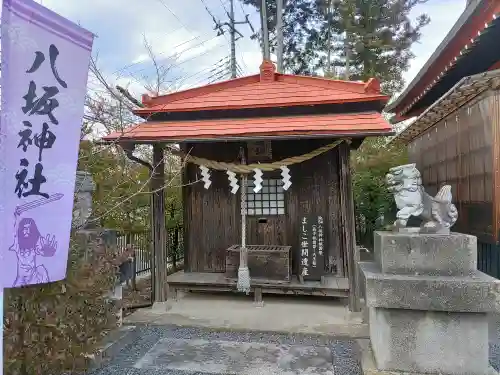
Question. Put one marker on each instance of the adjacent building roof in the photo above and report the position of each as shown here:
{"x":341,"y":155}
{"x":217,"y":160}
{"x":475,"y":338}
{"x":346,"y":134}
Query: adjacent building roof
{"x":463,"y":92}
{"x":471,"y":47}
{"x":239,"y":108}
{"x":333,"y":125}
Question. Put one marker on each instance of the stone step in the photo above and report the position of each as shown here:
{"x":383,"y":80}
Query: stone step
{"x":113,"y":342}
{"x":230,"y":357}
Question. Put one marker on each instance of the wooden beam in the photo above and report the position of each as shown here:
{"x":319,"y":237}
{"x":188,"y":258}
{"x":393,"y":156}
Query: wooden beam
{"x":158,"y":228}
{"x":348,"y":226}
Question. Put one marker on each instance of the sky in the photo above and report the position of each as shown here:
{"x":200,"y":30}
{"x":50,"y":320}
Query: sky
{"x":181,"y":33}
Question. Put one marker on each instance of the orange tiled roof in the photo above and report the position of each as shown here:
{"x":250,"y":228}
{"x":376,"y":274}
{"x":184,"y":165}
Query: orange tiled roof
{"x":346,"y":124}
{"x":267,"y":89}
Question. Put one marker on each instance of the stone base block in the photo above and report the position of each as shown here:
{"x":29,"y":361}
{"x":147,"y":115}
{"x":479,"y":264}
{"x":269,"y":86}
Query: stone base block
{"x":454,"y":254}
{"x":369,"y":367}
{"x":475,"y":293}
{"x":161,"y":307}
{"x":429,"y":342}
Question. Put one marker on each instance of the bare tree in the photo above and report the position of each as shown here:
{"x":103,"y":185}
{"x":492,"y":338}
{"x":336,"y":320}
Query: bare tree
{"x":162,"y":82}
{"x":109,"y":108}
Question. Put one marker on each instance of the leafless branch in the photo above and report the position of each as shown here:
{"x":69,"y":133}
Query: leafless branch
{"x":162,"y":71}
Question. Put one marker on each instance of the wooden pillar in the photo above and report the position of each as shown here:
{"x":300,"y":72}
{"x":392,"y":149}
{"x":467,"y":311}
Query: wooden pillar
{"x":349,"y":225}
{"x":158,"y":228}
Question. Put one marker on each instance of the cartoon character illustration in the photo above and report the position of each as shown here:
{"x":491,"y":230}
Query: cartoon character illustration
{"x":29,"y":244}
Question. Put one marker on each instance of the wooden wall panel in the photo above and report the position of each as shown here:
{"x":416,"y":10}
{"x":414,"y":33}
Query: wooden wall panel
{"x":458,"y":151}
{"x":495,"y":162}
{"x":211,"y":217}
{"x":315,"y":190}
{"x":213,"y":220}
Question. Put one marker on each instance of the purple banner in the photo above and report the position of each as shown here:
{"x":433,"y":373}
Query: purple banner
{"x":1,"y":331}
{"x":45,"y":61}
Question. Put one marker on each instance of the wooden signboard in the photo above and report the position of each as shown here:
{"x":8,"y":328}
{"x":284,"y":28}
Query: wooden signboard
{"x":259,"y":151}
{"x":312,"y":247}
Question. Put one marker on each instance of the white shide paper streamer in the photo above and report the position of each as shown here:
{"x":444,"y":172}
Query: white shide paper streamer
{"x":233,"y":182}
{"x":285,"y":173}
{"x":205,"y":176}
{"x":257,"y":180}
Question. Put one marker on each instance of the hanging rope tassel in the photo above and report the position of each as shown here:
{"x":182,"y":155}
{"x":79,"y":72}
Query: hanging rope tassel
{"x":243,"y":284}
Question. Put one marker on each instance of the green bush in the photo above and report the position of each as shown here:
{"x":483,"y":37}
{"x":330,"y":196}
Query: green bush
{"x":372,"y":202}
{"x":49,"y":329}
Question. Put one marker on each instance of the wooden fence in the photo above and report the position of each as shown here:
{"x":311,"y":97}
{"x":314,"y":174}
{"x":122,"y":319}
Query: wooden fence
{"x":141,"y":242}
{"x":488,"y":258}
{"x":364,"y":236}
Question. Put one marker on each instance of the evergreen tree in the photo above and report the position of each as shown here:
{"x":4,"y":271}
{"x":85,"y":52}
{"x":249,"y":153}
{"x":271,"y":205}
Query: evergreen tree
{"x":371,"y":37}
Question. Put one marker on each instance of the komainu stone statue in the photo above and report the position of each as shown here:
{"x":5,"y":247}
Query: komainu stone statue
{"x":437,"y":213}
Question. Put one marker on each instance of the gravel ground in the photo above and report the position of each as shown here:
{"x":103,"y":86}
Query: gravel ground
{"x":344,"y":351}
{"x":495,"y":356}
{"x":495,"y":343}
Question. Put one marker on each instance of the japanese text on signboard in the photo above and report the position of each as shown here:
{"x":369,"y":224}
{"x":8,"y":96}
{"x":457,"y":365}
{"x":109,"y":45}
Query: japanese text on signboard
{"x":312,"y":246}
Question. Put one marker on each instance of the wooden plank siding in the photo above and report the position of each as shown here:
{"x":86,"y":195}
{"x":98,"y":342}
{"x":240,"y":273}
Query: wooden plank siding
{"x":495,"y":124}
{"x":458,"y":150}
{"x":213,"y":220}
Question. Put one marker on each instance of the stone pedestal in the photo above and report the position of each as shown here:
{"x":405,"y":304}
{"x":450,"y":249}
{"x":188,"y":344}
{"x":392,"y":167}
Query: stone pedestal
{"x":82,"y":210}
{"x":427,"y":305}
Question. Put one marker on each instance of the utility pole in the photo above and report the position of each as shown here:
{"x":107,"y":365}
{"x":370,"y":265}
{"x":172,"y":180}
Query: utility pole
{"x":265,"y":31}
{"x":279,"y":34}
{"x":347,"y":57}
{"x":329,"y":39}
{"x":231,"y":25}
{"x":347,"y":46}
{"x":233,"y":39}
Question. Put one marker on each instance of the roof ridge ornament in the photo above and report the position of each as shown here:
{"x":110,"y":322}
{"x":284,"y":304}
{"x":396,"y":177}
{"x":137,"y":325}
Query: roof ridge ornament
{"x":267,"y":71}
{"x":146,"y":99}
{"x":372,"y":86}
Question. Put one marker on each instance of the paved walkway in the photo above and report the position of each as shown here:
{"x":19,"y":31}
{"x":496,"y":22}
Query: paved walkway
{"x":169,"y":350}
{"x":288,"y":314}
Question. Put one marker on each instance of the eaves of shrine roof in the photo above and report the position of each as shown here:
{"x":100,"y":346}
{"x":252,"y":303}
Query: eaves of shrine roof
{"x":281,"y":127}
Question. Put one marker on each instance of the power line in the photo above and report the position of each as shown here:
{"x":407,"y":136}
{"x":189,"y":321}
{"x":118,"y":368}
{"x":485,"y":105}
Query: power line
{"x":211,"y":67}
{"x":223,"y":6}
{"x":216,"y":68}
{"x":171,"y":12}
{"x":178,"y":45}
{"x":208,"y":10}
{"x":242,"y":9}
{"x":205,"y":79}
{"x":245,"y":66}
{"x":191,"y":58}
{"x":177,"y":65}
{"x":218,"y":75}
{"x":213,"y":17}
{"x":159,"y":54}
{"x":170,"y":56}
{"x":238,"y":68}
{"x":231,"y":25}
